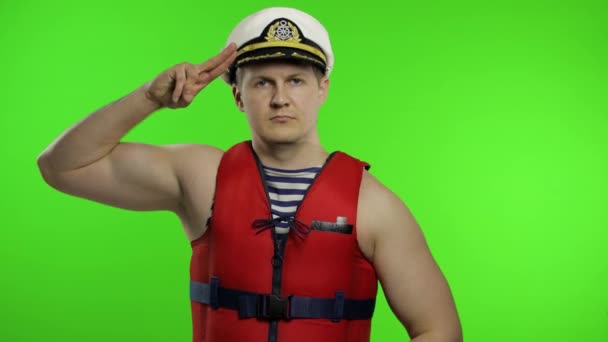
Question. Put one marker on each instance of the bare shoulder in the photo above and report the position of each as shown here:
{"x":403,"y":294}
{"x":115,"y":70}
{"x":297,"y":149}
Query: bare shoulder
{"x":378,"y":208}
{"x":186,"y":156}
{"x":194,"y":164}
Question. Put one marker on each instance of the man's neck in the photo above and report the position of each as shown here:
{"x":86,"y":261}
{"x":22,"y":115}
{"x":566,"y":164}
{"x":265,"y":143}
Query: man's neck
{"x":290,"y":156}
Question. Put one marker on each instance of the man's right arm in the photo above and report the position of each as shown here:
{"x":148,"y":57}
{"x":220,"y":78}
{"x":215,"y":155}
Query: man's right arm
{"x":88,"y":160}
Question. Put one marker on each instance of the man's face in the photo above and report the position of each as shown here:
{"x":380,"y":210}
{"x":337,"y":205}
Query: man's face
{"x":281,"y":100}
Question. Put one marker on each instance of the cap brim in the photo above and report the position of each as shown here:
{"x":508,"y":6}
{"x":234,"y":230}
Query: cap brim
{"x":274,"y":54}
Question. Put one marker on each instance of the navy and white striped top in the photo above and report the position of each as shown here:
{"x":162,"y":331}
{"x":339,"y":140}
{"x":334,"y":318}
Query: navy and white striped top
{"x":286,"y":188}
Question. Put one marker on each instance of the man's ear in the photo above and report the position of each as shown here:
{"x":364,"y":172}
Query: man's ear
{"x":323,"y":88}
{"x":236,"y":93}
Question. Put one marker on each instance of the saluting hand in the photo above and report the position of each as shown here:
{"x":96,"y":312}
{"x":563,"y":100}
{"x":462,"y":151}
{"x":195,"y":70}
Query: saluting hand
{"x":177,"y":86}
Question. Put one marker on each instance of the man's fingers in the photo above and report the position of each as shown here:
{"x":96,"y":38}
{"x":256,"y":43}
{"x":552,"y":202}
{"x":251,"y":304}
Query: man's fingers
{"x":192,"y":84}
{"x":205,"y":77}
{"x":191,"y":79}
{"x":180,"y":81}
{"x":212,"y":63}
{"x":220,"y":69}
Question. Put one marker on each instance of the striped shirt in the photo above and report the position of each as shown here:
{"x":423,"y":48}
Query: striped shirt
{"x":286,"y":188}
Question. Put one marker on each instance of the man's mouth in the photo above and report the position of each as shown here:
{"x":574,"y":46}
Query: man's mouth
{"x":281,"y":118}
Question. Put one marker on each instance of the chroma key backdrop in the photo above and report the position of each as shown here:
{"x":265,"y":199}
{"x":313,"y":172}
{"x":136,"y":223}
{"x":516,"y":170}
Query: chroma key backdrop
{"x":488,"y":119}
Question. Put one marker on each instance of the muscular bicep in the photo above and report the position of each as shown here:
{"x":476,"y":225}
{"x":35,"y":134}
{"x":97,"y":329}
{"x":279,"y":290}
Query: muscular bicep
{"x":133,"y":176}
{"x":414,"y":286}
{"x":413,"y":283}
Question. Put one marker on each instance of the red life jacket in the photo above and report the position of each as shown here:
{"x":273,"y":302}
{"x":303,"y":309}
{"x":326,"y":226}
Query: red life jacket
{"x":249,"y":283}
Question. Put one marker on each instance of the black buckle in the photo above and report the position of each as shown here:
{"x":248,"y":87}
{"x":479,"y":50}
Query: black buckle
{"x":273,"y":307}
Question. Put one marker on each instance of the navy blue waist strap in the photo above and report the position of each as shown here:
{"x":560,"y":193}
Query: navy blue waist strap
{"x":250,"y":304}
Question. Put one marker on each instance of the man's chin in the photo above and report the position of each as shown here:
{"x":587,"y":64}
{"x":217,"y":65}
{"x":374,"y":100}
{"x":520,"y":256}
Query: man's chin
{"x":283,"y":139}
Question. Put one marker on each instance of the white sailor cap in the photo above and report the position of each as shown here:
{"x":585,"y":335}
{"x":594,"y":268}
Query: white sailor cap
{"x":280,"y":33}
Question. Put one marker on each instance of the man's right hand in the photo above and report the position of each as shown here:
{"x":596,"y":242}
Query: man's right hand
{"x":177,"y":86}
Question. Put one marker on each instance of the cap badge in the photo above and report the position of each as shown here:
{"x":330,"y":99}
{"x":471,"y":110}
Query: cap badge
{"x":283,"y":30}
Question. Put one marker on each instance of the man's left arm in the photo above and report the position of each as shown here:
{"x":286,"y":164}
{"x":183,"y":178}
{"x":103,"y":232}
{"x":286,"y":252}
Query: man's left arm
{"x":414,"y":286}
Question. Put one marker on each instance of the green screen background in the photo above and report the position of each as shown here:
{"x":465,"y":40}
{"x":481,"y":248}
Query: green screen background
{"x":489,"y":120}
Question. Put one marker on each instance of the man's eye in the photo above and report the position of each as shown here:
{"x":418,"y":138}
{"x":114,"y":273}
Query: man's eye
{"x":261,"y":83}
{"x":296,"y":80}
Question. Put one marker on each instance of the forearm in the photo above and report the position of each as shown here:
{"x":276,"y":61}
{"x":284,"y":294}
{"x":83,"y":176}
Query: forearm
{"x":96,"y":135}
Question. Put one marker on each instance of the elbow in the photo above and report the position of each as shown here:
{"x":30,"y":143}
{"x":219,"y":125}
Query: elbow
{"x":455,"y":337}
{"x":438,"y":337}
{"x":451,"y":334}
{"x":44,"y":166}
{"x":446,"y":333}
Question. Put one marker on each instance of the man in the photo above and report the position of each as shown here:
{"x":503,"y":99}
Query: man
{"x":288,"y":240}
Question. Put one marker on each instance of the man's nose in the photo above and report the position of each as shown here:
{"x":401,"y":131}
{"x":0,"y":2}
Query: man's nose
{"x":279,"y":97}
